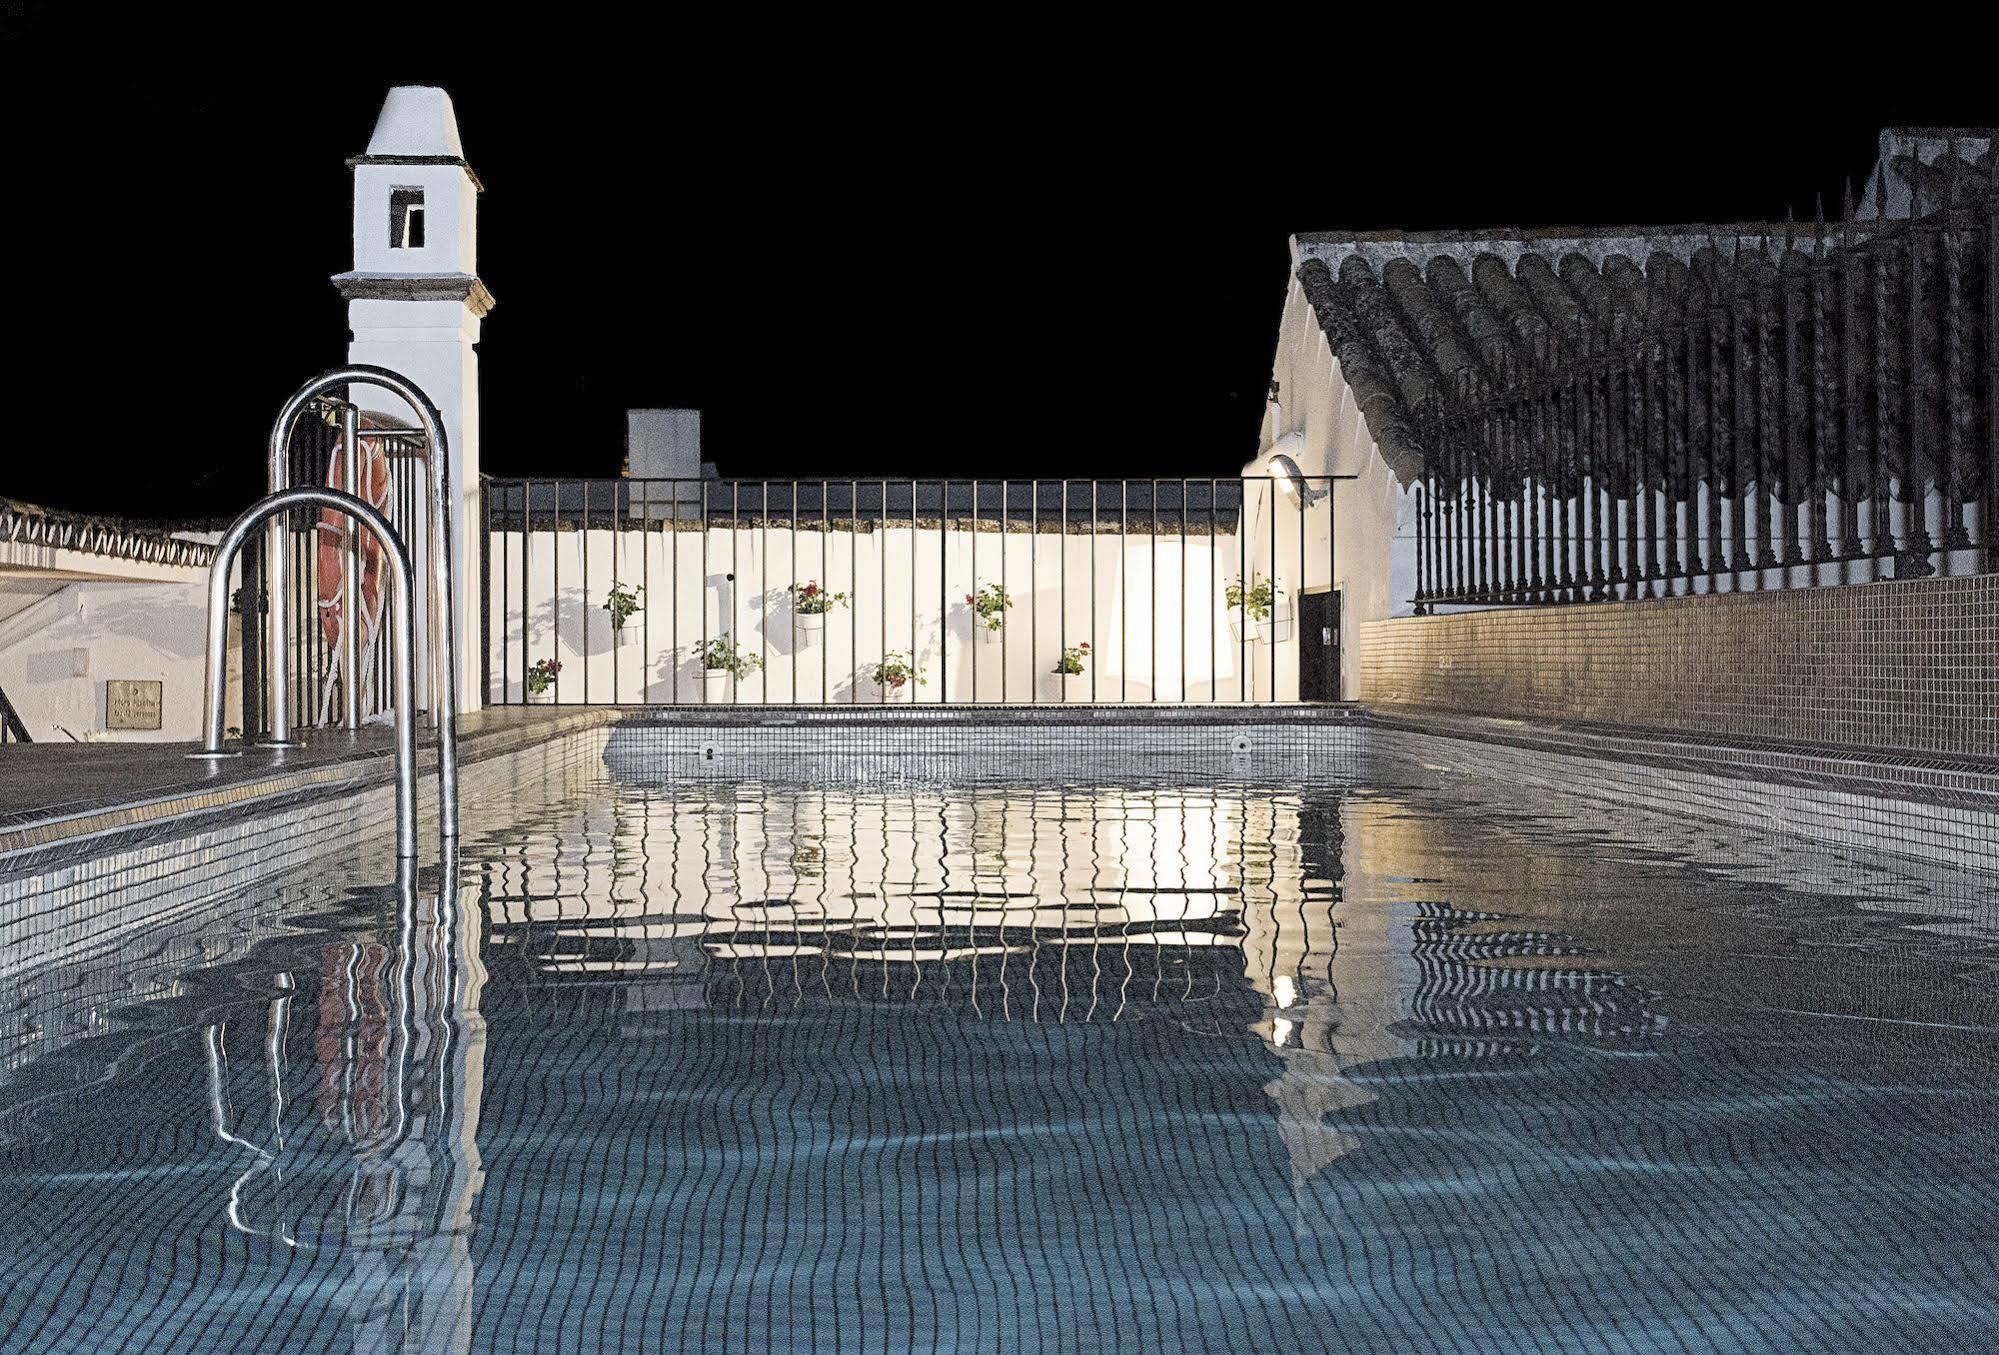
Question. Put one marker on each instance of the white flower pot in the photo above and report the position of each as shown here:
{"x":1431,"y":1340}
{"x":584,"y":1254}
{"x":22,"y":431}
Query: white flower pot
{"x":627,"y":634}
{"x":810,"y":625}
{"x":544,"y":697}
{"x":902,"y":691}
{"x":1076,"y":686}
{"x":714,"y":685}
{"x":1276,"y":626}
{"x":991,"y":635}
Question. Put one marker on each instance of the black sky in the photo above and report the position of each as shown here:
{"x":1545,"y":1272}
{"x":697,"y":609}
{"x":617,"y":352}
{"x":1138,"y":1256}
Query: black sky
{"x":895,"y":250}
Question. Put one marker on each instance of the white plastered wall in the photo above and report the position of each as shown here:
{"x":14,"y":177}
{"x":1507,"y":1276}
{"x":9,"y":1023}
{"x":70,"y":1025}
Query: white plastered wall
{"x":57,"y":655}
{"x":1317,"y":422}
{"x":1160,"y":629}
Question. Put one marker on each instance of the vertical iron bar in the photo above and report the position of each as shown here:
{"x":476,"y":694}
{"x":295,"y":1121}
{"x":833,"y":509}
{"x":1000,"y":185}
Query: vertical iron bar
{"x":763,"y":594}
{"x":974,"y":572}
{"x":1006,"y":616}
{"x":1242,"y":607}
{"x":1270,"y":495}
{"x":1182,"y":534}
{"x":704,"y":587}
{"x":735,"y":582}
{"x":1214,"y":612}
{"x":1957,"y":398}
{"x":555,"y":584}
{"x":645,"y":587}
{"x":1914,"y":560}
{"x":943,"y":592}
{"x":1820,"y":448}
{"x":1742,"y":442}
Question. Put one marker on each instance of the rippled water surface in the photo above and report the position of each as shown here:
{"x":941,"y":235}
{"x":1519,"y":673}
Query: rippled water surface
{"x":1245,"y":1065}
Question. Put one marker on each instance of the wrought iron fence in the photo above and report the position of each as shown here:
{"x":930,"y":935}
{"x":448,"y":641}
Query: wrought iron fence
{"x":1809,"y":409}
{"x":866,"y":589}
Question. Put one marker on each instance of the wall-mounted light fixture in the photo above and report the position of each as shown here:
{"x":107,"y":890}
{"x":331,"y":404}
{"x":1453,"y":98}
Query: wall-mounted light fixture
{"x":1292,"y":481}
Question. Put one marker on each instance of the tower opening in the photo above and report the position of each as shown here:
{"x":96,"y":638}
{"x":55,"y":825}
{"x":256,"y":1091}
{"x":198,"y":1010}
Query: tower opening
{"x":406,"y":218}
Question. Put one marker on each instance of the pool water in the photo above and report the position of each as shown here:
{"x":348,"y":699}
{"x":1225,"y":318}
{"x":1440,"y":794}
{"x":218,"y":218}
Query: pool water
{"x":1249,"y":1064}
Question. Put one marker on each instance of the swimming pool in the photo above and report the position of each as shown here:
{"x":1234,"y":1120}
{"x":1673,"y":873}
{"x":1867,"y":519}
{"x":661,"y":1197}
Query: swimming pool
{"x":1248,"y":1056}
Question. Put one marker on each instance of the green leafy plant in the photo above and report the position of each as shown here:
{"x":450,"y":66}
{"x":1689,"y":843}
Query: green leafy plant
{"x":1259,"y":599}
{"x":721,"y":654}
{"x":991,"y":603}
{"x":621,"y":602}
{"x":1073,"y":658}
{"x":809,"y":599}
{"x":895,"y":669}
{"x":541,"y":675}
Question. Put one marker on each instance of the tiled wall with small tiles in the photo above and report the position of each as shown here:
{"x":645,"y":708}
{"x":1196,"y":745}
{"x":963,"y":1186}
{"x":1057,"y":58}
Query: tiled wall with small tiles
{"x":1955,"y":831}
{"x":74,"y":907}
{"x":1903,"y":665}
{"x":964,"y":750}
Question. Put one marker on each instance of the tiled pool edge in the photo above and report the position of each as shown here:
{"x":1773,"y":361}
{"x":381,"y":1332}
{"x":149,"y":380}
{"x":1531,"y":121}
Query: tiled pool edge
{"x":48,"y":842}
{"x":79,"y":905}
{"x":68,"y":894}
{"x":1940,"y":810}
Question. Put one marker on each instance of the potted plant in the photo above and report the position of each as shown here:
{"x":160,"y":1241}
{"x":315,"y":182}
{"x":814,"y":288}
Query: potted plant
{"x":1071,"y":666}
{"x":809,"y":605}
{"x":722,"y":663}
{"x":622,"y":602}
{"x":541,"y":680}
{"x":1268,"y":611}
{"x":990,"y":605}
{"x":897,"y":671}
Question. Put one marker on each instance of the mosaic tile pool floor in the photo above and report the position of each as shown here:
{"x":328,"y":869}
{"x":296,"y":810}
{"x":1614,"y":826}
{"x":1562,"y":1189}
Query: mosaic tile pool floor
{"x":1250,"y":1065}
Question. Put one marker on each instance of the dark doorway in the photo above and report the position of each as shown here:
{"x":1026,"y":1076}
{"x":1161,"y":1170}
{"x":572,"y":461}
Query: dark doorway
{"x":1319,"y":646}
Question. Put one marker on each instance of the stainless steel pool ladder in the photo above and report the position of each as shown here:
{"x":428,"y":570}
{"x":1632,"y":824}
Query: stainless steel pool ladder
{"x":442,"y":612}
{"x":403,"y":625}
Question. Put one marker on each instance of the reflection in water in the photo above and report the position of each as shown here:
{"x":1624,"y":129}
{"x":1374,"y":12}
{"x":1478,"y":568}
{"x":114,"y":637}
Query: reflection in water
{"x":353,"y":1148}
{"x":1146,"y":1067}
{"x":1043,"y":905}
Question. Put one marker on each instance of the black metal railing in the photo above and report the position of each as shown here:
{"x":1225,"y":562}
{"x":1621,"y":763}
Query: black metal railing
{"x":1775,"y":412}
{"x":12,"y":730}
{"x":1160,"y":590}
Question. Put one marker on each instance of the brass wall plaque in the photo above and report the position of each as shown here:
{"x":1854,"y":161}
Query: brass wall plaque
{"x":131,"y":703}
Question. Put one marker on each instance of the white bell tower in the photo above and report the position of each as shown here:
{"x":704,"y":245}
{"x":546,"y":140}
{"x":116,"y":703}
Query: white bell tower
{"x":414,"y":303}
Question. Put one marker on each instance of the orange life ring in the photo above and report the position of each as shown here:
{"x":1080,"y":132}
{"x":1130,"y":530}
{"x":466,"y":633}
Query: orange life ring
{"x":332,"y":560}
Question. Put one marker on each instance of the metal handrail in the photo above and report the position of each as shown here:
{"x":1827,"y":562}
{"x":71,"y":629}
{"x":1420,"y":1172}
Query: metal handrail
{"x":403,"y":629}
{"x":444,"y":616}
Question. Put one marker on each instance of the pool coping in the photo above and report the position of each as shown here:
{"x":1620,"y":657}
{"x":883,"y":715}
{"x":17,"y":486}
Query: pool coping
{"x":184,"y":795}
{"x":326,"y":763}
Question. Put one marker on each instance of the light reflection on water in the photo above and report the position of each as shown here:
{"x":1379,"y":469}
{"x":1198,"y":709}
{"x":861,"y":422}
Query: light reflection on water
{"x":740,"y":1065}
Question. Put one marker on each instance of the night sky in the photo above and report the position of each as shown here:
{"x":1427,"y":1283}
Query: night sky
{"x":1022,"y":253}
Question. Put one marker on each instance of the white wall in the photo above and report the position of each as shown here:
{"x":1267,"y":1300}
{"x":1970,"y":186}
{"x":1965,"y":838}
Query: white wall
{"x":1376,"y":549}
{"x":56,"y":657}
{"x":564,"y":618}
